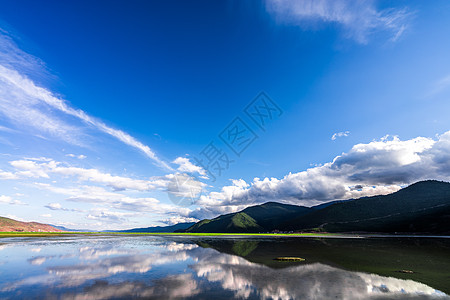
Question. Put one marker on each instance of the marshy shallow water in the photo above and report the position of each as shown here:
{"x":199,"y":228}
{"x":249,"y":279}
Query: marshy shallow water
{"x":163,"y":267}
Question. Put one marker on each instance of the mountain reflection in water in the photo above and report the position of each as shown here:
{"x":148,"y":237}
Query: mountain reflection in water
{"x":171,"y":268}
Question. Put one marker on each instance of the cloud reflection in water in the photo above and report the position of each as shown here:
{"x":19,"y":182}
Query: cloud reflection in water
{"x":156,"y":268}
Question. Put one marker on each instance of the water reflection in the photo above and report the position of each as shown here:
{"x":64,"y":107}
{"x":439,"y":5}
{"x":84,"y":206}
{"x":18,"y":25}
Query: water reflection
{"x":163,"y":268}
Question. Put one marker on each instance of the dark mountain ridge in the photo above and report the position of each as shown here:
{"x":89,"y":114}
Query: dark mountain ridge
{"x":423,"y":207}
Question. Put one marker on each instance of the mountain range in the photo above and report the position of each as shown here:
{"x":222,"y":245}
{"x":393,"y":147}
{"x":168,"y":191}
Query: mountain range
{"x":423,"y":207}
{"x":171,"y":228}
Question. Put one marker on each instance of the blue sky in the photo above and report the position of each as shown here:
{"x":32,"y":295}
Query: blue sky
{"x":105,"y":104}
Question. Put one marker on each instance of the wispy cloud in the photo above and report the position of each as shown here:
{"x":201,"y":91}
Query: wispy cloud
{"x":80,"y":156}
{"x":109,"y":216}
{"x":58,"y":206}
{"x":25,"y":103}
{"x":7,"y":129}
{"x":357,"y":19}
{"x":339,"y":134}
{"x":439,"y":86}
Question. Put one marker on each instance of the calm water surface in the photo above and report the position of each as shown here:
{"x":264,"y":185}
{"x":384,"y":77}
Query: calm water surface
{"x":124,"y":267}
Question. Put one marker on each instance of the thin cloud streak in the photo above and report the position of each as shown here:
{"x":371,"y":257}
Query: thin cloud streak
{"x":439,"y":86}
{"x":357,"y":19}
{"x":24,"y":101}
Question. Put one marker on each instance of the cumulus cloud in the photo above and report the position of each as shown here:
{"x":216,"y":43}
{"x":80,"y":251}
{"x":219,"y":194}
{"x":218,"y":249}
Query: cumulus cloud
{"x":25,"y":103}
{"x":379,"y":167}
{"x":179,"y":219}
{"x":357,"y":19}
{"x":339,"y":134}
{"x":185,"y":165}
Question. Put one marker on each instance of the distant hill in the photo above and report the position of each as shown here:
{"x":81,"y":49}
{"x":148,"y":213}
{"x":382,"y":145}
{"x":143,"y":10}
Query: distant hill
{"x":259,"y":218}
{"x":10,"y":225}
{"x":69,"y":229}
{"x":172,"y":228}
{"x":423,"y":207}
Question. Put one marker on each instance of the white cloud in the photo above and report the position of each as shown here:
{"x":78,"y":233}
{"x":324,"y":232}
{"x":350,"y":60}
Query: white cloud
{"x":358,"y":19}
{"x":183,"y":189}
{"x":58,"y":206}
{"x":99,"y":196}
{"x":8,"y":200}
{"x":31,"y":168}
{"x":379,"y":167}
{"x":54,"y":206}
{"x":185,"y":165}
{"x":133,"y":204}
{"x":339,"y":134}
{"x":46,"y":215}
{"x":109,"y":216}
{"x":179,"y":219}
{"x":43,"y":169}
{"x":8,"y":175}
{"x":81,"y":156}
{"x":25,"y":103}
{"x":6,"y":129}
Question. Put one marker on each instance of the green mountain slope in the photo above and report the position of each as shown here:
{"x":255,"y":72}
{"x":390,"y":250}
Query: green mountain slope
{"x":259,"y":218}
{"x":238,"y":222}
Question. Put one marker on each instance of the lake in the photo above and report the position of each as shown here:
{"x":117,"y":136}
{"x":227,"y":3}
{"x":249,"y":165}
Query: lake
{"x":170,"y":267}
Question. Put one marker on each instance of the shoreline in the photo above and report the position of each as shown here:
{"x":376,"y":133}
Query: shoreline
{"x":218,"y":235}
